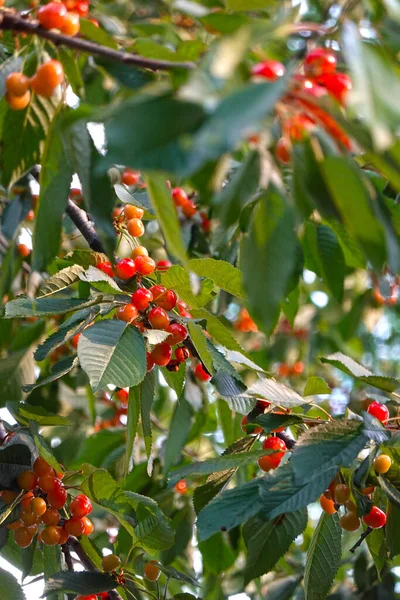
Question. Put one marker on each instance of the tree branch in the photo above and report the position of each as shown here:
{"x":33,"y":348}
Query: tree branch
{"x":16,"y":22}
{"x":362,"y":538}
{"x":81,"y":220}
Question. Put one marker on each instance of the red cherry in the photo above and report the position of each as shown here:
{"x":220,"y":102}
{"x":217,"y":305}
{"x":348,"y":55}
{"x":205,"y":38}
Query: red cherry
{"x":42,"y":467}
{"x":80,"y":506}
{"x":173,"y":365}
{"x":91,"y":597}
{"x":82,"y":8}
{"x":123,"y":396}
{"x":161,"y":354}
{"x":272,"y":461}
{"x":145,"y":265}
{"x":181,"y":486}
{"x":283,"y":151}
{"x":206,"y":225}
{"x":49,"y":483}
{"x":133,"y":212}
{"x":178,"y":333}
{"x":75,"y":526}
{"x":268,"y":69}
{"x":182,"y":354}
{"x":297,"y":127}
{"x":57,"y":498}
{"x":50,"y":536}
{"x":283,"y":370}
{"x":201,"y":374}
{"x":130,"y":177}
{"x":75,"y":340}
{"x":158,"y":318}
{"x":149,"y":362}
{"x":157,"y":290}
{"x":125,"y":269}
{"x":106,"y":268}
{"x":189,"y":209}
{"x":127,"y":313}
{"x":376,"y":518}
{"x":27,"y":480}
{"x":319,"y":61}
{"x":166,"y":300}
{"x":52,"y":15}
{"x":297,"y":368}
{"x":379,"y":411}
{"x":337,"y":84}
{"x":163,"y":265}
{"x":89,"y":527}
{"x":142,"y":298}
{"x":51,"y":517}
{"x":179,"y":196}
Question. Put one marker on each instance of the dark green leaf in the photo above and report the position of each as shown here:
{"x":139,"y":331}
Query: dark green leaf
{"x":43,"y":307}
{"x":14,"y":459}
{"x":58,"y":370}
{"x":83,"y":583}
{"x":282,"y":589}
{"x":10,"y":588}
{"x":148,"y":387}
{"x":178,"y":433}
{"x":217,"y":555}
{"x":323,"y":557}
{"x":275,"y":392}
{"x":351,"y":367}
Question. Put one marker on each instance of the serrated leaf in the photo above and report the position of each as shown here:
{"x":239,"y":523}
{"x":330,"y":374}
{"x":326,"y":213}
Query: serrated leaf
{"x":14,"y":459}
{"x":275,"y":392}
{"x":83,"y":583}
{"x":58,"y":370}
{"x":376,"y":542}
{"x":218,"y":330}
{"x":271,"y":421}
{"x":28,"y":412}
{"x":134,"y":403}
{"x":178,"y":279}
{"x":217,"y":554}
{"x":148,"y":389}
{"x":222,"y":273}
{"x":240,"y":404}
{"x":328,"y":257}
{"x":391,"y":492}
{"x":282,"y":589}
{"x":112,"y":352}
{"x":199,"y":340}
{"x":268,"y":541}
{"x":175,"y":574}
{"x":11,"y":589}
{"x":155,"y":336}
{"x":353,"y":368}
{"x":323,"y":557}
{"x":100,"y":281}
{"x":52,"y":565}
{"x":392,"y":527}
{"x":153,"y":529}
{"x":180,"y":426}
{"x":315,"y":386}
{"x":45,"y":307}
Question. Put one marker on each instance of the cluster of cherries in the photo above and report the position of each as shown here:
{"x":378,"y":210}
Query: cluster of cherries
{"x":244,"y":322}
{"x":46,"y":79}
{"x":285,"y":370}
{"x":39,"y":508}
{"x":298,"y":110}
{"x":188,"y":208}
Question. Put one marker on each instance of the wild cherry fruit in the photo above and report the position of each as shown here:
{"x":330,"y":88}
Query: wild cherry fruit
{"x":57,"y":498}
{"x":181,"y":486}
{"x":161,"y":354}
{"x":123,"y":396}
{"x":38,"y":506}
{"x":337,"y":84}
{"x":42,"y":467}
{"x":27,"y":480}
{"x":382,"y":464}
{"x":50,"y":536}
{"x":80,"y":506}
{"x":51,"y":517}
{"x":179,"y":196}
{"x":201,"y":374}
{"x":272,"y":461}
{"x":23,"y":537}
{"x":135,"y":228}
{"x":145,"y":265}
{"x":189,"y":209}
{"x":17,"y":84}
{"x":142,"y":298}
{"x":250,"y":428}
{"x":182,"y":354}
{"x":19,"y":103}
{"x":127,"y":313}
{"x":139,"y":251}
{"x":158,"y":318}
{"x":133,"y":212}
{"x":91,"y":597}
{"x":268,"y":69}
{"x":297,"y":368}
{"x":48,"y":76}
{"x":130,"y":177}
{"x":341,"y":493}
{"x":106,"y":268}
{"x":75,"y":526}
{"x":71,"y":24}
{"x":319,"y":61}
{"x":151,"y":570}
{"x":327,"y":505}
{"x":52,"y":15}
{"x":125,"y":269}
{"x":375,"y":519}
{"x":88,"y":526}
{"x":350,"y":521}
{"x":283,"y":151}
{"x":110,"y":562}
{"x":178,"y":333}
{"x":379,"y":411}
{"x":163,"y":265}
{"x":49,"y":483}
{"x":149,"y":362}
{"x":167,"y":299}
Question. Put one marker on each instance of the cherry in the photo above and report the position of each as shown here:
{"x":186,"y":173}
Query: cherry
{"x":49,"y":483}
{"x":189,"y":209}
{"x":201,"y":374}
{"x":17,"y":84}
{"x":30,"y":215}
{"x":272,"y":461}
{"x":149,"y":362}
{"x":375,"y":519}
{"x":15,"y":525}
{"x":181,"y":486}
{"x":351,"y":507}
{"x":368,"y":490}
{"x":38,"y":506}
{"x":283,"y":370}
{"x":182,"y":354}
{"x":63,"y":535}
{"x":179,"y":196}
{"x":297,"y":127}
{"x":91,"y":597}
{"x":268,"y":69}
{"x":178,"y":333}
{"x":166,"y":299}
{"x":27,"y":480}
{"x":327,"y":505}
{"x":350,"y":521}
{"x":379,"y":411}
{"x":52,"y":15}
{"x":130,"y":177}
{"x":341,"y":493}
{"x":173,"y":365}
{"x":161,"y":354}
{"x":82,"y":8}
{"x":80,"y":506}
{"x":88,"y":526}
{"x":145,"y":265}
{"x":139,"y":251}
{"x":297,"y":368}
{"x":23,"y":250}
{"x":8,"y":496}
{"x":319,"y":61}
{"x":75,"y":526}
{"x":106,"y":268}
{"x":125,"y":269}
{"x":142,"y":298}
{"x":157,"y":290}
{"x":163,"y":265}
{"x":151,"y":570}
{"x":50,"y":536}
{"x":158,"y":318}
{"x":57,"y":498}
{"x":23,"y":537}
{"x":48,"y":76}
{"x":27,"y":517}
{"x":18,"y":103}
{"x":135,"y":227}
{"x":283,"y":151}
{"x":206,"y":225}
{"x":51,"y":517}
{"x":250,"y":427}
{"x":26,"y":499}
{"x":71,"y":24}
{"x":133,"y":212}
{"x":382,"y":463}
{"x":337,"y":84}
{"x":123,"y":396}
{"x":110,"y":562}
{"x":42,"y":467}
{"x":127,"y":313}
{"x":75,"y":194}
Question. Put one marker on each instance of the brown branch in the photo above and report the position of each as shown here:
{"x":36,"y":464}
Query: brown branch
{"x":81,"y":221}
{"x":362,"y":538}
{"x":15,"y":22}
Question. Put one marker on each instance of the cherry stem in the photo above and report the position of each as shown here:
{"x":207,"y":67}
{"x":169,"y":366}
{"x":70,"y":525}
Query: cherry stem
{"x":16,"y":22}
{"x":362,"y":538}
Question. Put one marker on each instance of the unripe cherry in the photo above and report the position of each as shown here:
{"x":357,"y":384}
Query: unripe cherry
{"x":133,"y":212}
{"x":382,"y":464}
{"x":145,"y":265}
{"x":350,"y":521}
{"x":110,"y":562}
{"x":50,"y":536}
{"x":327,"y":505}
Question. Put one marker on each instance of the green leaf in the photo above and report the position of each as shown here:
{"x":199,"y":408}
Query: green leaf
{"x":52,"y":565}
{"x":352,"y":200}
{"x":55,"y":179}
{"x":282,"y":589}
{"x":392,"y":527}
{"x":353,"y":368}
{"x":222,"y":273}
{"x":11,"y":589}
{"x":43,"y":447}
{"x":376,"y":542}
{"x":167,"y":217}
{"x":252,"y":5}
{"x":44,"y":307}
{"x":268,"y":541}
{"x":217,"y":555}
{"x":218,"y":330}
{"x":83,"y":583}
{"x":98,"y":192}
{"x":275,"y":392}
{"x":323,"y":557}
{"x":148,"y":389}
{"x":60,"y":281}
{"x":199,"y":340}
{"x":14,"y":459}
{"x":153,"y":529}
{"x":315,"y":386}
{"x":178,"y":279}
{"x":97,"y":448}
{"x":178,"y":433}
{"x":100,"y":281}
{"x":175,"y":380}
{"x":28,"y":412}
{"x":391,"y":492}
{"x":97,"y":34}
{"x":271,"y":421}
{"x":126,"y":74}
{"x":27,"y":558}
{"x":269,"y":248}
{"x":58,"y":370}
{"x":134,"y":407}
{"x":112,"y":352}
{"x":175,"y":574}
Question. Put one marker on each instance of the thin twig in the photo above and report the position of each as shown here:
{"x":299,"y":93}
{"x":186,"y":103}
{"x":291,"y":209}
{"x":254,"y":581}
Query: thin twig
{"x":15,"y":22}
{"x":68,"y":557}
{"x":81,"y":221}
{"x":362,"y":538}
